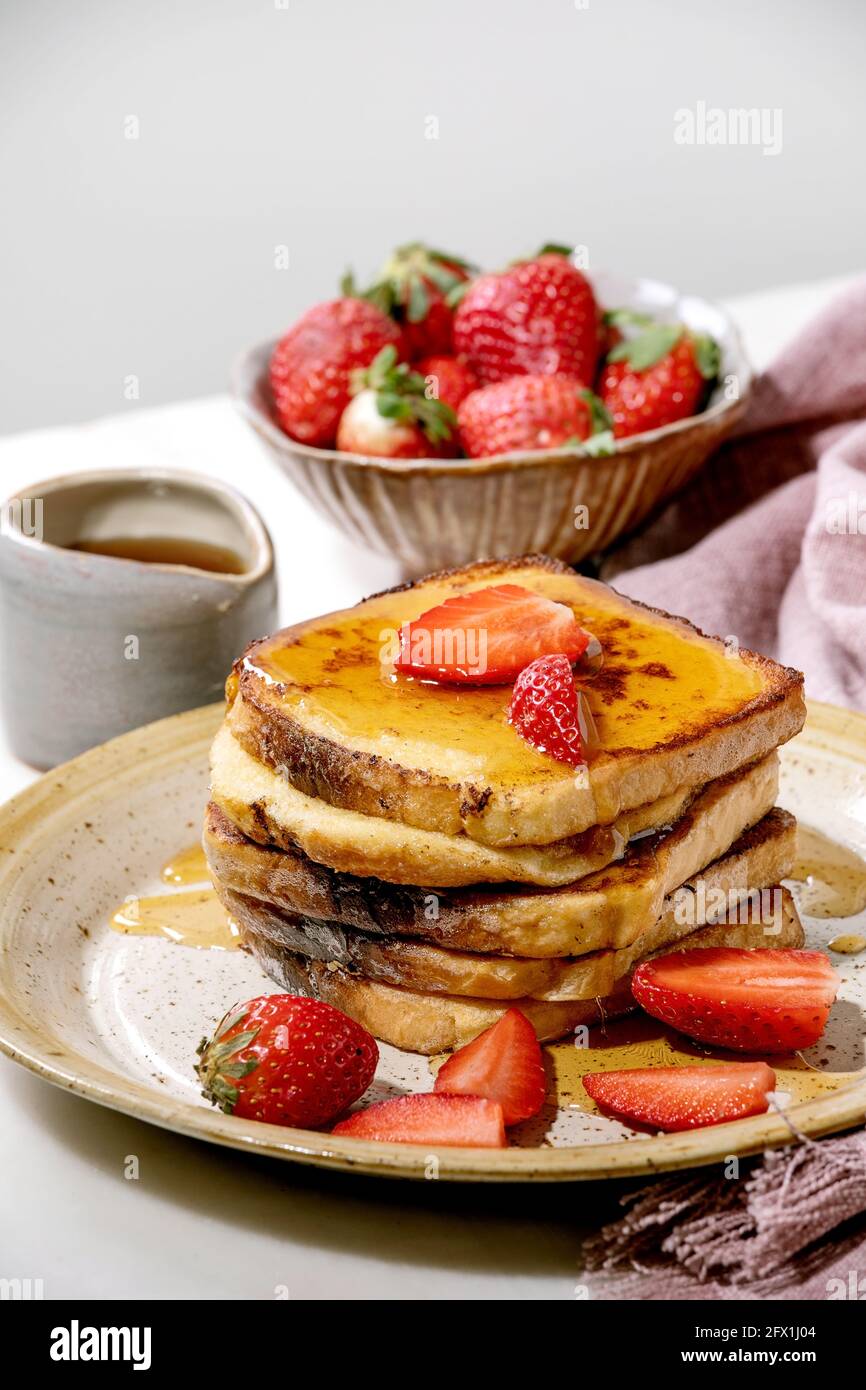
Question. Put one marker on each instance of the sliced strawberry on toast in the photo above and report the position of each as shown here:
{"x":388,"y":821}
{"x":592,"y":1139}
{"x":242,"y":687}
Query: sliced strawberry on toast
{"x":502,"y":1064}
{"x":460,"y":1121}
{"x":675,"y":1098}
{"x":549,"y":711}
{"x":749,"y":1001}
{"x":488,"y":636}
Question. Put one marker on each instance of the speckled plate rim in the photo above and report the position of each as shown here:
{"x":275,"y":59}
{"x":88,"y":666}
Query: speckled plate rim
{"x":140,"y":756}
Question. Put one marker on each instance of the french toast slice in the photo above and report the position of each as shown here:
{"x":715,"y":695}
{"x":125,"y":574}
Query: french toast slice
{"x":766,"y":856}
{"x":430,"y":1023}
{"x":323,"y":702}
{"x":271,"y":810}
{"x":606,"y":908}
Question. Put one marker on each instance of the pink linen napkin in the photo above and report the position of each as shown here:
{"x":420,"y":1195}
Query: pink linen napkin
{"x":793,"y":1226}
{"x":768,"y":544}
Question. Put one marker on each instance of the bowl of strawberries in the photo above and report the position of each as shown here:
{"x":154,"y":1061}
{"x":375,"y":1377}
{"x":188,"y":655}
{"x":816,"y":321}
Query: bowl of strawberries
{"x":445,"y":415}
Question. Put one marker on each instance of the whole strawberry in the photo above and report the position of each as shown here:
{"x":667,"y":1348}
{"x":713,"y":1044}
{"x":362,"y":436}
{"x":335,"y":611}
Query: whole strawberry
{"x":658,"y":377}
{"x":286,"y":1060}
{"x":391,"y":414}
{"x":311,"y":365}
{"x":415,"y":286}
{"x":612,"y":326}
{"x":448,"y":379}
{"x":529,"y":412}
{"x":537,"y":317}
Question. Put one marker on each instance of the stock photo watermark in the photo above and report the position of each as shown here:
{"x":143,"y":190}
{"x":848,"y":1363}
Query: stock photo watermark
{"x":852,"y":1289}
{"x":695,"y":905}
{"x":463,"y":648}
{"x":846,"y":516}
{"x":21,"y":1290}
{"x":77,"y":1343}
{"x":23,"y":516}
{"x":758,"y":127}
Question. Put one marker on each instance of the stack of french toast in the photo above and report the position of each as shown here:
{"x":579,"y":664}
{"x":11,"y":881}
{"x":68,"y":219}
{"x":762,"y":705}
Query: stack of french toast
{"x":405,"y":819}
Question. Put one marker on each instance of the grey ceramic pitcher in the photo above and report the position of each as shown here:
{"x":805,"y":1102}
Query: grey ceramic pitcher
{"x":93,"y":645}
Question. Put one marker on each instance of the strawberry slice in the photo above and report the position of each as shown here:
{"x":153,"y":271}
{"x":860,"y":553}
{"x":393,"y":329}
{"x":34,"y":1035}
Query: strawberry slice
{"x":550,"y":712}
{"x":673,"y":1098}
{"x":486,"y":637}
{"x":464,"y":1121}
{"x":751,"y":1001}
{"x":503,"y":1064}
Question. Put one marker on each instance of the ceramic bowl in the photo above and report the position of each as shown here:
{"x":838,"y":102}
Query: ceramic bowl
{"x":563,"y":502}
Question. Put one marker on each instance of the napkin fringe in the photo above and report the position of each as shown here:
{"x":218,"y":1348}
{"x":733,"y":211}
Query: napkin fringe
{"x":739,"y":1232}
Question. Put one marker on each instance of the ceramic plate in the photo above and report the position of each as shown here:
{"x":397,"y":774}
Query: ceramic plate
{"x":116,"y":1018}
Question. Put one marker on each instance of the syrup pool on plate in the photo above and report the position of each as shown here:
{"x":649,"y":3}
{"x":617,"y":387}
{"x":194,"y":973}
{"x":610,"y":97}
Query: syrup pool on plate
{"x":848,"y":944}
{"x":188,"y":917}
{"x":193,"y":917}
{"x":641,"y":1041}
{"x":833,"y":877}
{"x":187,"y":866}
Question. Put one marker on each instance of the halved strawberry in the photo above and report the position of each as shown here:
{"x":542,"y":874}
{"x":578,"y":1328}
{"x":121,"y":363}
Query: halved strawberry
{"x":503,"y":1064}
{"x":488,"y":636}
{"x":750,"y":1001}
{"x":549,"y":711}
{"x":464,"y":1121}
{"x":674,"y":1098}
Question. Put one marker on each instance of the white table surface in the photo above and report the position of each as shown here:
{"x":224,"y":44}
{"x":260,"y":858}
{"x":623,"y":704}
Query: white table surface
{"x":207,"y":1223}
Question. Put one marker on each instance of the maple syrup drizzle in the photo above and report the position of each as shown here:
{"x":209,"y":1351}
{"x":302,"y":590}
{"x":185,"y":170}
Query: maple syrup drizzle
{"x":640,"y":1041}
{"x":848,"y":944}
{"x":332,"y":671}
{"x":187,"y":866}
{"x":591,"y":662}
{"x":189,"y":917}
{"x":833,"y":877}
{"x":166,"y":550}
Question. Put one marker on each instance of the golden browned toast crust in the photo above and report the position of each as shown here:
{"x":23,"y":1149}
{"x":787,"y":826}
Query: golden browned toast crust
{"x":764,"y":856}
{"x":269,"y":809}
{"x":493,"y":568}
{"x":430,"y":1023}
{"x":607,"y":908}
{"x":550,"y":807}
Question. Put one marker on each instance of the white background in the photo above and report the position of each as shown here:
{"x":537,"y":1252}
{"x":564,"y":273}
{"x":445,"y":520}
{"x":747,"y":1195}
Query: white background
{"x":304,"y":126}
